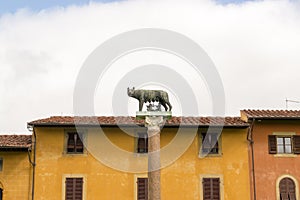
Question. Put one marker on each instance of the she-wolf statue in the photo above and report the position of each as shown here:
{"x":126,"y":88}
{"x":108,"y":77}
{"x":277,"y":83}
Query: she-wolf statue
{"x":144,"y":96}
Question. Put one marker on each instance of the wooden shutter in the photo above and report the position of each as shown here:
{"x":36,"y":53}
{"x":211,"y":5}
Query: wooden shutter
{"x":75,"y":144}
{"x":74,"y":188}
{"x":296,"y":144}
{"x":142,"y":145}
{"x":214,"y":144}
{"x":206,"y":146}
{"x":287,"y":189}
{"x":272,"y":144}
{"x":211,"y":188}
{"x":210,"y":143}
{"x":79,"y":144}
{"x":71,"y":142}
{"x":142,"y":189}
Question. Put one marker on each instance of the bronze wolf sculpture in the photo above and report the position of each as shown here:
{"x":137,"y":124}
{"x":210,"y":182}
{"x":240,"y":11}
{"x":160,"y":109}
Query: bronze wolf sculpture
{"x":150,"y":96}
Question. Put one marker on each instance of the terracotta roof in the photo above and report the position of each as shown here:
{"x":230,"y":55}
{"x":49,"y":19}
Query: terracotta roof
{"x":15,"y":141}
{"x":127,"y":121}
{"x":271,"y":114}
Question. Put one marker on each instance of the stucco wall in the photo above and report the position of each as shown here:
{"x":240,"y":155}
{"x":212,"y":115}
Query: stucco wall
{"x":269,"y":167}
{"x":180,"y":180}
{"x":15,"y":175}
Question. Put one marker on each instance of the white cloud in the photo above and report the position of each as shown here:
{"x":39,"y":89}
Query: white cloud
{"x":255,"y":46}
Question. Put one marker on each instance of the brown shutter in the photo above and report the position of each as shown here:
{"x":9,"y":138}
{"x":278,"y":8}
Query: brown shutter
{"x":216,"y":188}
{"x":206,"y":145}
{"x":215,"y":149}
{"x":296,"y":144}
{"x":272,"y":144}
{"x":210,"y":143}
{"x":78,"y":188}
{"x":79,"y":144}
{"x":74,"y":188}
{"x":142,"y":188}
{"x":142,"y":145}
{"x":71,"y":142}
{"x":206,"y":189}
{"x":211,"y":188}
{"x":75,"y":144}
{"x":287,"y":189}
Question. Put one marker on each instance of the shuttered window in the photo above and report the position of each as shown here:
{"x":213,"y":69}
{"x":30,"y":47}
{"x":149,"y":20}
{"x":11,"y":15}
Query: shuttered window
{"x":296,"y":143}
{"x":284,"y":144}
{"x":75,"y":144}
{"x":142,"y":143}
{"x":211,"y":188}
{"x":272,"y":144}
{"x":287,"y":189}
{"x":142,"y":188}
{"x":74,"y":187}
{"x":210,"y":143}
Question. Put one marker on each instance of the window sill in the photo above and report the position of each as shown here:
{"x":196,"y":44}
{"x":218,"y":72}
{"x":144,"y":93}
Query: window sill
{"x":210,"y":155}
{"x":74,"y":154}
{"x":140,"y":154}
{"x":282,"y":155}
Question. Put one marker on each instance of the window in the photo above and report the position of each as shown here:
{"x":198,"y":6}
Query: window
{"x":74,"y":143}
{"x":1,"y":193}
{"x":287,"y":189}
{"x":142,"y":188}
{"x":1,"y":164}
{"x":210,"y":143}
{"x":74,"y":188}
{"x":211,"y":188}
{"x":142,"y":143}
{"x":285,"y":144}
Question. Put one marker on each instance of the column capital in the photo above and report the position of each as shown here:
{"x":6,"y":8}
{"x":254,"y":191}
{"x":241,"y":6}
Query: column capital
{"x":154,"y":121}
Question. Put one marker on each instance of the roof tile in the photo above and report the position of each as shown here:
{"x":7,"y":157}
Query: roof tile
{"x":121,"y":120}
{"x":15,"y":141}
{"x":271,"y":114}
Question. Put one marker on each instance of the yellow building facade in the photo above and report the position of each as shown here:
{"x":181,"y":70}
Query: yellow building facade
{"x":15,"y":168}
{"x":115,"y":170}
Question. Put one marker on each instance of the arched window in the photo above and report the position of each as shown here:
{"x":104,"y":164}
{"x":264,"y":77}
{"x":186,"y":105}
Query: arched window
{"x":287,"y":189}
{"x":1,"y":193}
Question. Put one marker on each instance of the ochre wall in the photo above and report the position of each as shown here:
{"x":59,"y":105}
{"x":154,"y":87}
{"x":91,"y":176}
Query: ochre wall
{"x":180,"y":180}
{"x":15,"y":175}
{"x":269,"y":167}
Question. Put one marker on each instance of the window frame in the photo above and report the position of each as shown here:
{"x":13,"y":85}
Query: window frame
{"x":278,"y":184}
{"x":64,"y":178}
{"x":221,"y":184}
{"x":284,"y":144}
{"x":84,"y":137}
{"x":141,"y":134}
{"x":136,"y":176}
{"x":202,"y":154}
{"x":273,"y":144}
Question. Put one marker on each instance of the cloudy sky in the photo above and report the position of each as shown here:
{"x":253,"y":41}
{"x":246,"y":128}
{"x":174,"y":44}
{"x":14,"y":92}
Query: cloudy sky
{"x":254,"y":45}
